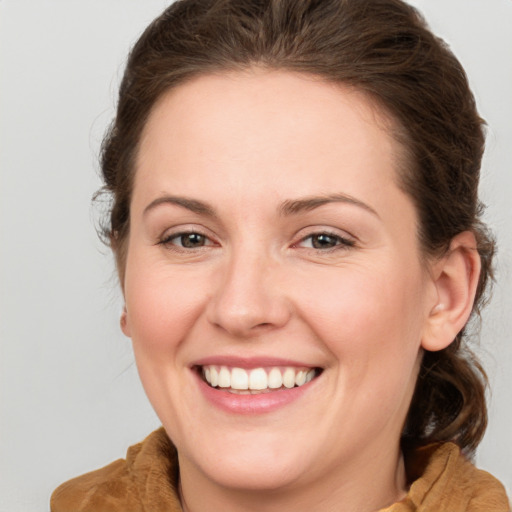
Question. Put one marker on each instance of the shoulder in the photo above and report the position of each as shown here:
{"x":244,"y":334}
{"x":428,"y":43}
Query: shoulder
{"x":445,"y":480}
{"x":145,"y":480}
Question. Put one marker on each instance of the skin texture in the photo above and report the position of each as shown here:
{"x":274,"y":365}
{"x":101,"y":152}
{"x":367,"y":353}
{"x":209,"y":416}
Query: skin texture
{"x":251,"y":146}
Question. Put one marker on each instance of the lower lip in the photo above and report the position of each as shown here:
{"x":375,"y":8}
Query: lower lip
{"x":252,"y":404}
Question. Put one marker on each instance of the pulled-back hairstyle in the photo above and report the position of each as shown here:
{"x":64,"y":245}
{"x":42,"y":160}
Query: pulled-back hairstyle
{"x":382,"y":48}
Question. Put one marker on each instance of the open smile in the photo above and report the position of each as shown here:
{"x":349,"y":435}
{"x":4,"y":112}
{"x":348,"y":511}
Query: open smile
{"x":256,"y":380}
{"x":257,"y":385}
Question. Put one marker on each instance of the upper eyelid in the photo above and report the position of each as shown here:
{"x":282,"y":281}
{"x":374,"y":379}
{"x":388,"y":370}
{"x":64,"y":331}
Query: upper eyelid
{"x":177,"y":231}
{"x":325,"y":230}
{"x":187,"y":228}
{"x":344,"y":241}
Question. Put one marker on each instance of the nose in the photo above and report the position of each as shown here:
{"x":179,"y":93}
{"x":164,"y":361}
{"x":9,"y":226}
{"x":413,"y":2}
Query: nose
{"x":251,"y":297}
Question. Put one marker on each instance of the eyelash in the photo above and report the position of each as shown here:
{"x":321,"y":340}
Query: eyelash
{"x":340,"y":243}
{"x":168,"y":240}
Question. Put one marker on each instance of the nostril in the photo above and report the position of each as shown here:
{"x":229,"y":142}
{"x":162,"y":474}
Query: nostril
{"x":263,"y":325}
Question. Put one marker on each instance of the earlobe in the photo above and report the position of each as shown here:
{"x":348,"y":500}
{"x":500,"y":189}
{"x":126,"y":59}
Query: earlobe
{"x":125,"y":326}
{"x":455,"y":277}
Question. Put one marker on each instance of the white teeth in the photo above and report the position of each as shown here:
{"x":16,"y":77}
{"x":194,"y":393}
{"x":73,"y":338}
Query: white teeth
{"x":224,"y":378}
{"x":300,"y":378}
{"x":289,"y":378}
{"x":257,"y":380}
{"x":214,"y":376}
{"x":275,"y":379}
{"x":239,"y":379}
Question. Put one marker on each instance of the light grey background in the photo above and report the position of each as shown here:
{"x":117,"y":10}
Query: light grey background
{"x":69,"y":393}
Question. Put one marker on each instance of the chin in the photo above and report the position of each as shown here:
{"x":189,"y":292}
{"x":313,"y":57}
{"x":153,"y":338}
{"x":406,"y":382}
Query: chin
{"x":253,"y":473}
{"x":259,"y":463}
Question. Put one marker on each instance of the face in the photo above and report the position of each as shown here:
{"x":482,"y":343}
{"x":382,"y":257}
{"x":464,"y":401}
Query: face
{"x":273,"y":254}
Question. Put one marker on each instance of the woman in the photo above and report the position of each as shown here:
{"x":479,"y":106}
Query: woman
{"x":296,"y":227}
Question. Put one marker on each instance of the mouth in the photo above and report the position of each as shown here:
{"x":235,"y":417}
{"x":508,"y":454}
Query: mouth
{"x":256,"y":381}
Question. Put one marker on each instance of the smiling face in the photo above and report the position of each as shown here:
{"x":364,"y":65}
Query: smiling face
{"x":272,"y":249}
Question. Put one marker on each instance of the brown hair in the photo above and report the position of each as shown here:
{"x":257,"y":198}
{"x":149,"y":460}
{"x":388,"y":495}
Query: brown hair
{"x":380,"y":47}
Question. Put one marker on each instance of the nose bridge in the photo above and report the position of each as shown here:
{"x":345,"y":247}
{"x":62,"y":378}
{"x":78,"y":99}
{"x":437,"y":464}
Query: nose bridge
{"x":248,"y":298}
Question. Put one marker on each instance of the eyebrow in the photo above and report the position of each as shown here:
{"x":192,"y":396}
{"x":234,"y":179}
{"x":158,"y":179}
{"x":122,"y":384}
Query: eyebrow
{"x":295,"y":206}
{"x":193,"y":205}
{"x":288,"y":207}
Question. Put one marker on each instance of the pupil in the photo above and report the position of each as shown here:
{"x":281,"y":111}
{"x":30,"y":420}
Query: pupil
{"x":192,"y":240}
{"x":323,"y":241}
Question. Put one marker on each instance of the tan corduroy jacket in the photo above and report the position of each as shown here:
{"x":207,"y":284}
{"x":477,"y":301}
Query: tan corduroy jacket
{"x":147,"y":482}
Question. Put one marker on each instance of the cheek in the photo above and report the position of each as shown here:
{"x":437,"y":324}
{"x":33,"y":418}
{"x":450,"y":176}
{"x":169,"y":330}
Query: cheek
{"x":366,"y":314}
{"x":163,"y":304}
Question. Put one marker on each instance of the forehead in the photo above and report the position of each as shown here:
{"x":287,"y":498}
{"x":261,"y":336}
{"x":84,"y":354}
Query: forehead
{"x":257,"y":129}
{"x":276,"y":98}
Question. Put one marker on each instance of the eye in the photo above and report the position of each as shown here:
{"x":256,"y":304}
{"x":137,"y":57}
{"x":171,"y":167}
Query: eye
{"x":188,"y":240}
{"x":325,"y":241}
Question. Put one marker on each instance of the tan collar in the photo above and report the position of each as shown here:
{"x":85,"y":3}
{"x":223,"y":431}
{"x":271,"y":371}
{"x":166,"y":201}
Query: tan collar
{"x":443,"y":480}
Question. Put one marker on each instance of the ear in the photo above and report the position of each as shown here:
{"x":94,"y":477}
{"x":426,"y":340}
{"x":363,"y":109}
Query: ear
{"x":125,"y":324}
{"x":455,"y":278}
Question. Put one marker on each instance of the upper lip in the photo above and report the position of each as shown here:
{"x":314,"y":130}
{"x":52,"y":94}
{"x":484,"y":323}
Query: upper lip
{"x":250,"y":362}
